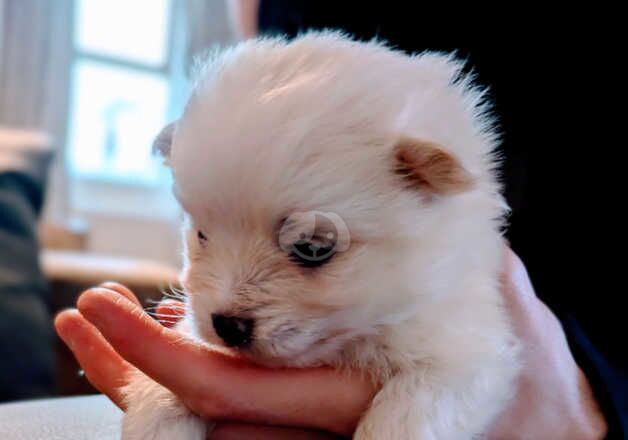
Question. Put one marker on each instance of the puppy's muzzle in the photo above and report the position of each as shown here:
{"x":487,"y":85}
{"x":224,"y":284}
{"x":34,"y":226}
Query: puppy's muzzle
{"x":234,"y":331}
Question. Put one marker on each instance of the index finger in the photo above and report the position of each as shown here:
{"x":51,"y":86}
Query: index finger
{"x":121,"y":289}
{"x":223,"y":388}
{"x":104,"y":368}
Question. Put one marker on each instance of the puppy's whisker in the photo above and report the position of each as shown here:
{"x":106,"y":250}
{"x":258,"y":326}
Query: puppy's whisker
{"x":173,"y":292}
{"x":174,"y":295}
{"x":164,"y":315}
{"x":171,"y":305}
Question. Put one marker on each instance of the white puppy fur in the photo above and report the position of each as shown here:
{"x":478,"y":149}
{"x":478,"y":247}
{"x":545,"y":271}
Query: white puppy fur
{"x":400,"y":149}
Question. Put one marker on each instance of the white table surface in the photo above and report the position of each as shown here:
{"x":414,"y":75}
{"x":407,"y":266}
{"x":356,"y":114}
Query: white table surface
{"x":71,"y":418}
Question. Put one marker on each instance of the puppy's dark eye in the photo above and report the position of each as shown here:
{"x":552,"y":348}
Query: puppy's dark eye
{"x":202,"y":238}
{"x":308,"y":254}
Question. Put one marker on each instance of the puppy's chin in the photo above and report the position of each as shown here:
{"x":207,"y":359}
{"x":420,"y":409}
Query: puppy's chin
{"x":274,"y":361}
{"x":312,"y":356}
{"x":307,"y":358}
{"x":274,"y":354}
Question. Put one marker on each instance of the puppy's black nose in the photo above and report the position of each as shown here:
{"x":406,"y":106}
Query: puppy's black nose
{"x":236,"y":332}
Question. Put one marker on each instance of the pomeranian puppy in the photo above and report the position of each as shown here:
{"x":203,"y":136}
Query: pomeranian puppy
{"x":343,"y":209}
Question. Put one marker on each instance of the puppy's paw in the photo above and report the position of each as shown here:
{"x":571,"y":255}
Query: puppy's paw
{"x":188,"y":427}
{"x":400,"y":430}
{"x":154,"y":413}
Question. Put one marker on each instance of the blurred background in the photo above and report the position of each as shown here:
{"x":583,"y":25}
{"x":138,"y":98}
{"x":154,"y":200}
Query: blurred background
{"x":99,"y":79}
{"x":85,"y":86}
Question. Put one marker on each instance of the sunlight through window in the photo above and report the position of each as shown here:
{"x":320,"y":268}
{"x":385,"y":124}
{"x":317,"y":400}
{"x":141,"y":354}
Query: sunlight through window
{"x":121,"y":89}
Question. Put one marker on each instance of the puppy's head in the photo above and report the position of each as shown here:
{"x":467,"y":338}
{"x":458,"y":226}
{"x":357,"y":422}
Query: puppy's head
{"x":328,"y":186}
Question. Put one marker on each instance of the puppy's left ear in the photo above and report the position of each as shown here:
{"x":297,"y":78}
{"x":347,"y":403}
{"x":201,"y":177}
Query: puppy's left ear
{"x":163,"y":142}
{"x":429,"y":168}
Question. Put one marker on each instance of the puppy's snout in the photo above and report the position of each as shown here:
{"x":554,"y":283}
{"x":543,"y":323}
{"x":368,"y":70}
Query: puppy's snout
{"x":234,"y":331}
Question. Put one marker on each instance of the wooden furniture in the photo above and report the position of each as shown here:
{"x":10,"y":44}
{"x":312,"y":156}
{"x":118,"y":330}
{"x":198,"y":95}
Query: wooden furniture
{"x":71,"y":272}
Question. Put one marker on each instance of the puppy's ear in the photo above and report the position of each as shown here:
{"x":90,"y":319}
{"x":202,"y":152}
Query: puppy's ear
{"x":163,"y":142}
{"x":427,"y":167}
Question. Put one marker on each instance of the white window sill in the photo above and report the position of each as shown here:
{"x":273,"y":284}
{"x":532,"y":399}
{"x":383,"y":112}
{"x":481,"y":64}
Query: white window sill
{"x":124,"y":200}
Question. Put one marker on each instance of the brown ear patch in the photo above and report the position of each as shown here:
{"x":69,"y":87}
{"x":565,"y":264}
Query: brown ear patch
{"x":427,"y":167}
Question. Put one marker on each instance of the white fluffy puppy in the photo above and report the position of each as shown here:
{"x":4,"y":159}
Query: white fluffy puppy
{"x":343,"y":209}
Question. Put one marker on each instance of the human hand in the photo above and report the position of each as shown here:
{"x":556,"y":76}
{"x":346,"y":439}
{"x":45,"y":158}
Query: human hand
{"x":553,"y":399}
{"x":104,"y":332}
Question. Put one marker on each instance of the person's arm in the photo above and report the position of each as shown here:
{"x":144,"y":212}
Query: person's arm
{"x":109,"y":334}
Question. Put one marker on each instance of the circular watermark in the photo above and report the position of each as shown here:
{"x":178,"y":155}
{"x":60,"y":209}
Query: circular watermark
{"x":314,"y":235}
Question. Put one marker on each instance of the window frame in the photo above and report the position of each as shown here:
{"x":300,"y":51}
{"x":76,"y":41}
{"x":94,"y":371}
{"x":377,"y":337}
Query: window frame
{"x":117,"y":195}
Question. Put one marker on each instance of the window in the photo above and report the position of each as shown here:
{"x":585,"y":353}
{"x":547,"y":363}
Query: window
{"x":125,"y":85}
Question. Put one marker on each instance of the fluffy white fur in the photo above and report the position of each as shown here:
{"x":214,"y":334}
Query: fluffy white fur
{"x":274,"y":128}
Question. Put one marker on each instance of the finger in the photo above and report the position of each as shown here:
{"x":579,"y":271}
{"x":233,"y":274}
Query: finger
{"x":223,"y":388}
{"x":232,"y":431}
{"x":103,"y":367}
{"x":122,"y":290}
{"x":533,"y":321}
{"x":138,"y":338}
{"x":515,"y":276}
{"x":518,"y":293}
{"x":169,"y":312}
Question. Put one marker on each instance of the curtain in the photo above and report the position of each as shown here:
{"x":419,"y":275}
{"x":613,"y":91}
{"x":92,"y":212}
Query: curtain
{"x":207,"y":26}
{"x":35,"y":62}
{"x":36,"y":57}
{"x":35,"y":50}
